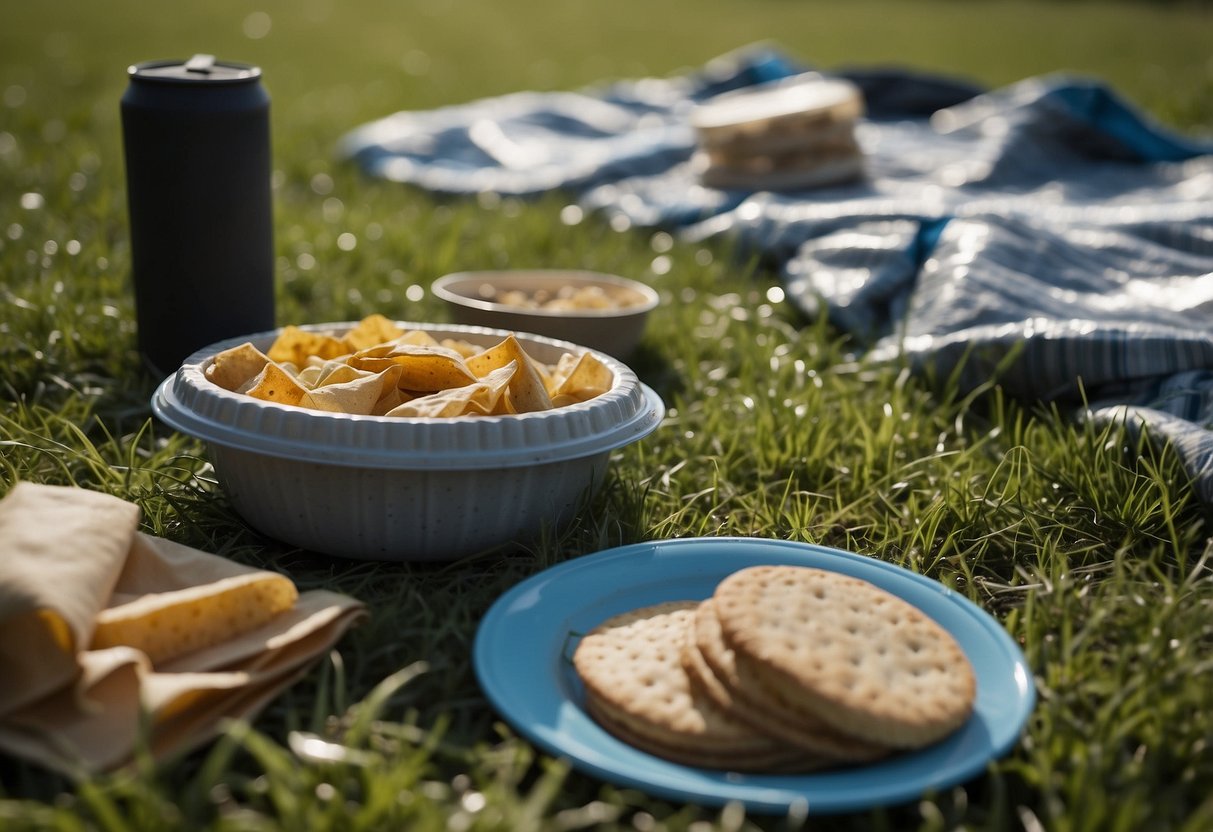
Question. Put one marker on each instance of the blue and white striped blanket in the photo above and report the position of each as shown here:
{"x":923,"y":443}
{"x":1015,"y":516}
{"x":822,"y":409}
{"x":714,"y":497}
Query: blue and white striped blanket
{"x":1046,"y":226}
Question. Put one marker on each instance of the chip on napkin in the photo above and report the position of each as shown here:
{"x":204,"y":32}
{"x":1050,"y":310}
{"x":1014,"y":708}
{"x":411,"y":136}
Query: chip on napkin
{"x":168,"y":625}
{"x":112,"y":639}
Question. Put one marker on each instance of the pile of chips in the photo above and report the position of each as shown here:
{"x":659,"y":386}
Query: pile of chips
{"x":379,"y":369}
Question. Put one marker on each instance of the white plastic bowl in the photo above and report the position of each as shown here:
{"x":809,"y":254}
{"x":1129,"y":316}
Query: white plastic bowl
{"x":614,"y":331}
{"x":391,"y":488}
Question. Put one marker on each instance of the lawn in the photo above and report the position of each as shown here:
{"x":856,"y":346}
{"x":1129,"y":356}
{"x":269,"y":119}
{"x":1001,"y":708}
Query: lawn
{"x":1088,"y":547}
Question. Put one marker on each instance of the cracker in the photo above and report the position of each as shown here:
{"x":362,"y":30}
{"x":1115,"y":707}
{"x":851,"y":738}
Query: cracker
{"x":862,"y":659}
{"x":783,"y":759}
{"x":710,"y":662}
{"x":634,"y":682}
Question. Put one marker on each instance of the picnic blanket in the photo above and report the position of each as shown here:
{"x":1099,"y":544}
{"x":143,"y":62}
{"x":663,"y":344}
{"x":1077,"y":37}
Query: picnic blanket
{"x":1047,"y":231}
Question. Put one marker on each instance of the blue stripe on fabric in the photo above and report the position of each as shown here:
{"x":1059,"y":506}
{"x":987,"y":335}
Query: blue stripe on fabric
{"x":1045,"y":229}
{"x":1111,"y":115}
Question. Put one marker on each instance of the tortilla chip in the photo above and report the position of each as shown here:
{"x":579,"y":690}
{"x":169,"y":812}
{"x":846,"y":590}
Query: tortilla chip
{"x":372,"y":330}
{"x":426,"y":365}
{"x":371,"y":364}
{"x":429,"y":368}
{"x":274,"y":384}
{"x":296,"y":345}
{"x":232,"y":368}
{"x":392,"y":398}
{"x":417,"y":338}
{"x":479,"y":398}
{"x":358,"y":395}
{"x":319,"y":371}
{"x":464,"y":348}
{"x":336,"y":372}
{"x":309,"y":376}
{"x":587,"y":378}
{"x":527,"y":392}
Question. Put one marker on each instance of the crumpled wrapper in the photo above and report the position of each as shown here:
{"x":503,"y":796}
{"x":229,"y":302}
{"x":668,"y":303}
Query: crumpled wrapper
{"x":111,"y":638}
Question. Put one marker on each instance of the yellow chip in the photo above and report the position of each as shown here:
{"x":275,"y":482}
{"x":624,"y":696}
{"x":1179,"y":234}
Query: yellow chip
{"x":232,"y":368}
{"x":588,"y":378}
{"x":464,"y":348}
{"x":274,"y":384}
{"x":318,"y":372}
{"x":479,"y":398}
{"x":166,"y":625}
{"x":373,"y":359}
{"x":309,"y":376}
{"x":496,"y":356}
{"x":392,"y":398}
{"x":372,"y":330}
{"x":527,"y":392}
{"x":370,"y":363}
{"x":358,"y":395}
{"x":417,"y":338}
{"x":427,"y":368}
{"x":336,"y":372}
{"x":296,"y":345}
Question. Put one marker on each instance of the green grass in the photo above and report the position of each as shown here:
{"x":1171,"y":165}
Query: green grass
{"x":1088,"y":546}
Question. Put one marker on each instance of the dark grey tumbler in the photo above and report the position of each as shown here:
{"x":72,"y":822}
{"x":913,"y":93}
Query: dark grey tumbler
{"x":197,"y":146}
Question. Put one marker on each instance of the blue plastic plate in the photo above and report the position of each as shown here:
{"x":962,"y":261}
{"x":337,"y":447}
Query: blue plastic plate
{"x":523,"y":652}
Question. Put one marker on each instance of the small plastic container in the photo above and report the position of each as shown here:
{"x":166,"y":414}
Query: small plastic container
{"x":406,"y":489}
{"x":479,"y":298}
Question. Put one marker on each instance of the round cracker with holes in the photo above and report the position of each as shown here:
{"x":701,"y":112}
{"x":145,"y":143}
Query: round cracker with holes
{"x":710,"y":663}
{"x":865,"y":661}
{"x":636,"y":688}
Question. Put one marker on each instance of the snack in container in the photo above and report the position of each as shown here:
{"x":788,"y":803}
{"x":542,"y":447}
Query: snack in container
{"x":379,"y":369}
{"x":420,"y":485}
{"x":604,"y":312}
{"x":795,"y":133}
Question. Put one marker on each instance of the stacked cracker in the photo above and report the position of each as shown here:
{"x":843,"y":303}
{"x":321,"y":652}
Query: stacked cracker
{"x":783,"y":669}
{"x":791,"y":134}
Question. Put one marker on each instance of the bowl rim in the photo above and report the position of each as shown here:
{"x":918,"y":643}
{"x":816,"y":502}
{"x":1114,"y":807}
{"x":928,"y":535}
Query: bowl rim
{"x":192,"y":404}
{"x":444,"y":289}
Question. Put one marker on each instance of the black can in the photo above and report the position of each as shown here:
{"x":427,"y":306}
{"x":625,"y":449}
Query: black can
{"x":197,"y":145}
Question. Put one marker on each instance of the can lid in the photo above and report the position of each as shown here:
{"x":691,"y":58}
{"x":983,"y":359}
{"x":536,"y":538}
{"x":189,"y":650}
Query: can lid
{"x":200,"y":69}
